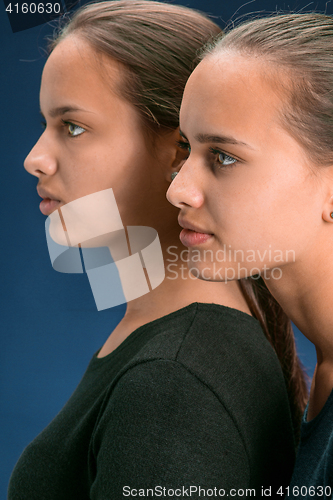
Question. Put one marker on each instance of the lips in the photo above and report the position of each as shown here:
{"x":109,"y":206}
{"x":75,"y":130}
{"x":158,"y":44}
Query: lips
{"x":49,"y":203}
{"x":191,"y":235}
{"x":47,"y":206}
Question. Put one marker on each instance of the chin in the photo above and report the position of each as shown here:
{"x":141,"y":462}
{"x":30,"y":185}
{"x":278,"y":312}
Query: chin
{"x":217,"y":271}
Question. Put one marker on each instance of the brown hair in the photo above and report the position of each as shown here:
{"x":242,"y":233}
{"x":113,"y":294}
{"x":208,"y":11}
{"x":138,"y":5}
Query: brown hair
{"x":301,"y":45}
{"x":157,"y":44}
{"x":278,"y":330}
{"x":298,"y":52}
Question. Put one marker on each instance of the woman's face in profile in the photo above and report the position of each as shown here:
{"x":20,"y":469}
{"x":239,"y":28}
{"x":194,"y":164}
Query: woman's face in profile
{"x":94,"y":139}
{"x":247,"y":183}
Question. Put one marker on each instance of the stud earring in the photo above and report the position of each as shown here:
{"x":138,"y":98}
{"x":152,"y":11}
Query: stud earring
{"x":173,"y":175}
{"x":331,"y":214}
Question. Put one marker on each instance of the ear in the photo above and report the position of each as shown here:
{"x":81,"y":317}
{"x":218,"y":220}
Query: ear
{"x":328,"y":210}
{"x":178,"y":155}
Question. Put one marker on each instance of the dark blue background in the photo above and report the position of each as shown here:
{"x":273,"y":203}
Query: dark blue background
{"x":50,"y":326}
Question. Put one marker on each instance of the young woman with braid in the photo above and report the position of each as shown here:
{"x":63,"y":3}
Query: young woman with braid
{"x":257,"y":119}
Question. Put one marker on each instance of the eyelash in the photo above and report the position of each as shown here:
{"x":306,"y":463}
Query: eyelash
{"x":230,"y":159}
{"x":184,"y":145}
{"x":67,"y":124}
{"x":216,"y":152}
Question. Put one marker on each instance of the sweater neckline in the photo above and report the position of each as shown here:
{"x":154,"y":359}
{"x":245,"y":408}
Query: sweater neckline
{"x":151,"y":324}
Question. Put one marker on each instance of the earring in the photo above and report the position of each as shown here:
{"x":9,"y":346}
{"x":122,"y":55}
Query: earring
{"x":331,"y":214}
{"x":173,"y":175}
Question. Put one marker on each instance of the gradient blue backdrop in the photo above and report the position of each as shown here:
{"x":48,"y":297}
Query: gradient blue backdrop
{"x":50,"y":326}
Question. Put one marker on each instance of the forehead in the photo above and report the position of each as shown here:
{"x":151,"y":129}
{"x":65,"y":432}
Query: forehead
{"x":233,"y":91}
{"x":74,"y":71}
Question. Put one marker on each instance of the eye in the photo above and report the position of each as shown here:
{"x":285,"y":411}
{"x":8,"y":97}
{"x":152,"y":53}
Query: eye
{"x":184,"y":145}
{"x":73,"y":130}
{"x":223,"y":159}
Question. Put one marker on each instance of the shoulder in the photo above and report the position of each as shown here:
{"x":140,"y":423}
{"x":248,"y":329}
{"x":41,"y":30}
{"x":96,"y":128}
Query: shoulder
{"x":162,"y":425}
{"x":207,"y":367}
{"x":220,"y":348}
{"x":211,"y":341}
{"x":227,"y":352}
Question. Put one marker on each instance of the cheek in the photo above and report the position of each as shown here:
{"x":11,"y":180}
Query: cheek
{"x":125,"y":166}
{"x":267,"y":210}
{"x":103,"y":165}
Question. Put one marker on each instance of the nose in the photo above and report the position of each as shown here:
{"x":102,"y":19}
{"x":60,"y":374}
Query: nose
{"x":40,"y":161}
{"x":185,"y":189}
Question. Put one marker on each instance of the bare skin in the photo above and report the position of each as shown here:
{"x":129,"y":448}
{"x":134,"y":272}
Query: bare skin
{"x":95,"y":141}
{"x":251,"y":186}
{"x":170,"y":296}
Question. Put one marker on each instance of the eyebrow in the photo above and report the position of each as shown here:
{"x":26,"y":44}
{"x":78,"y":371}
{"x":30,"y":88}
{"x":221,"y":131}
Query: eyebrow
{"x":217,"y":139}
{"x":54,"y":112}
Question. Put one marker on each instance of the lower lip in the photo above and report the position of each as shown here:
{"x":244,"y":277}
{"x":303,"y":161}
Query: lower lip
{"x":191,"y":238}
{"x":47,"y":206}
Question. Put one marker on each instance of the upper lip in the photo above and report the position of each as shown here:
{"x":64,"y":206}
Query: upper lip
{"x":188,"y":225}
{"x":43,"y":193}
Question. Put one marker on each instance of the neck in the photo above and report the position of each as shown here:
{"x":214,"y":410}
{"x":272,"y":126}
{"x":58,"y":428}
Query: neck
{"x":305,"y":293}
{"x":179,"y":289}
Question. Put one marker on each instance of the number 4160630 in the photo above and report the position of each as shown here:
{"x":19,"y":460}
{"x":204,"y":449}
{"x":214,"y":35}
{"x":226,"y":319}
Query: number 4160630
{"x":34,"y":8}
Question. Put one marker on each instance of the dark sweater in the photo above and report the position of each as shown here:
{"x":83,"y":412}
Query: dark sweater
{"x":194,"y":398}
{"x":313,"y":474}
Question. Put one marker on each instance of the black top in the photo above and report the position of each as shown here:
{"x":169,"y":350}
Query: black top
{"x":196,"y":398}
{"x":313,"y":474}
